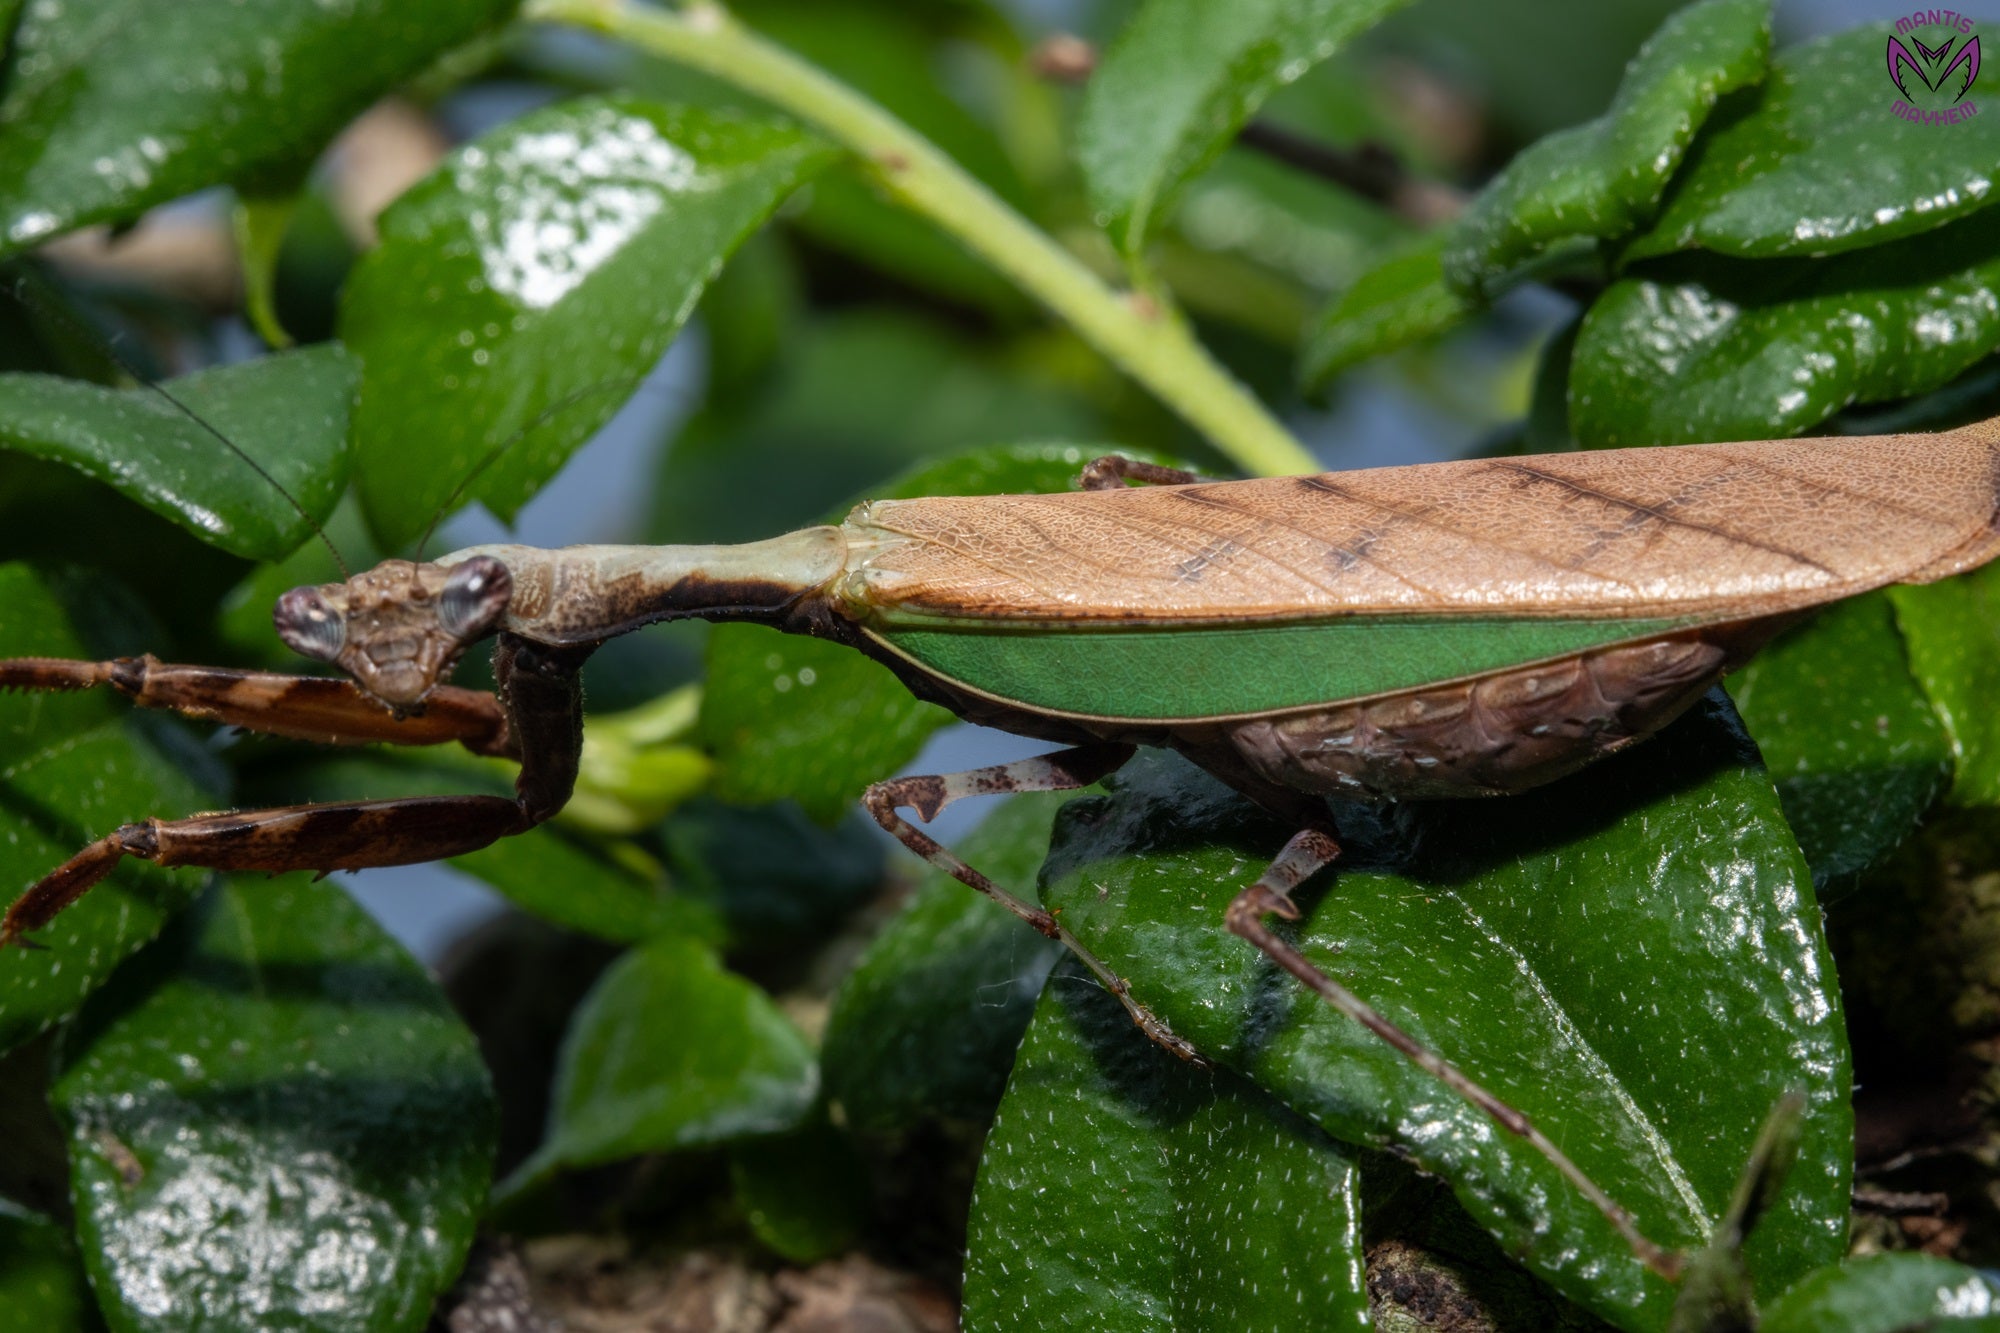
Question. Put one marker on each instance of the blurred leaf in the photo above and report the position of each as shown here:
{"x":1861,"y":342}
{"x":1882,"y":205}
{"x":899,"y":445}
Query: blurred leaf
{"x":815,"y":722}
{"x":805,"y":1193}
{"x":41,"y":1283}
{"x":288,"y":412}
{"x":72,"y":769}
{"x":1704,"y":348}
{"x":112,"y":106}
{"x":1181,"y":79}
{"x":522,"y":289}
{"x":1402,"y":299}
{"x":1953,"y":632}
{"x":670,"y":1052}
{"x":926,"y":1024}
{"x":1311,"y":233}
{"x":1886,"y":1293}
{"x":1131,"y":1190}
{"x":275,"y":1121}
{"x":1570,"y":949}
{"x":751,"y":313}
{"x":1814,"y":161}
{"x":1605,"y":177}
{"x":1546,"y":429}
{"x":865,"y":394}
{"x":1847,"y":734}
{"x":260,"y":222}
{"x":772,"y":874}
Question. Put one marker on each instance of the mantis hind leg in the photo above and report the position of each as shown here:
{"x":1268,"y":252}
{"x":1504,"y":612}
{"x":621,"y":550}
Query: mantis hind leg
{"x":1065,"y":770}
{"x":1311,"y":850}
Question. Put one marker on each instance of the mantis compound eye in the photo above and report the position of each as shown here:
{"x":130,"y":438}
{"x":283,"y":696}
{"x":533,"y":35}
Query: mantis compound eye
{"x":475,"y":593}
{"x":309,"y":626}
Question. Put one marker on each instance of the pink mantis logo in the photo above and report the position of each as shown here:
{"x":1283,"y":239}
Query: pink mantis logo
{"x":1940,"y":71}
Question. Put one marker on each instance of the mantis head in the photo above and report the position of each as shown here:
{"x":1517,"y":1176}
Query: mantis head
{"x":398,"y":629}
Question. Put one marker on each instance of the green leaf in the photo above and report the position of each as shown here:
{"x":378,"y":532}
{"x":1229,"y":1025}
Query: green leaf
{"x":41,"y":1282}
{"x":1886,"y":1293}
{"x":523,"y":288}
{"x":112,"y":106}
{"x":927,"y":1023}
{"x":671,"y":1052}
{"x":542,"y":871}
{"x":288,"y":412}
{"x":1953,"y":632}
{"x":1633,"y":957}
{"x":1605,"y":177}
{"x":1703,"y":348}
{"x":1815,"y":161}
{"x":260,"y":223}
{"x":1402,"y":299}
{"x":1177,"y":85}
{"x":1128,"y":1189}
{"x":1856,"y":751}
{"x":805,"y":1193}
{"x":275,"y":1121}
{"x":771,"y":874}
{"x":766,"y":713}
{"x":72,"y":769}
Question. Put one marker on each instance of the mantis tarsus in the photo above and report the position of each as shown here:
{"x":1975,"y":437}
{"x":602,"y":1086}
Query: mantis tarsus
{"x":1455,"y":629}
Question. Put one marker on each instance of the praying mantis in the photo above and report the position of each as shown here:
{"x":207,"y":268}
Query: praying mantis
{"x":1446,"y":630}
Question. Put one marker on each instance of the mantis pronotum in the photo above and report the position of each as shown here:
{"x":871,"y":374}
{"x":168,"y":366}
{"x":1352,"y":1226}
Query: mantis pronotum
{"x":1456,"y":629}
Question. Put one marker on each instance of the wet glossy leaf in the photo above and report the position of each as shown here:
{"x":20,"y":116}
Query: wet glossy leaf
{"x":522,"y":289}
{"x":1402,"y":299}
{"x":1953,"y":632}
{"x":927,"y":1023}
{"x":1605,"y":177}
{"x":41,"y":1281}
{"x":275,"y":1121}
{"x":1856,"y":751}
{"x":1887,"y":1293}
{"x":1713,"y":349}
{"x":670,"y":1052}
{"x":1815,"y":160}
{"x":73,"y":767}
{"x":543,"y":871}
{"x":791,"y":717}
{"x":1127,"y":1189}
{"x":112,"y":106}
{"x":1633,"y":957}
{"x":1181,"y":79}
{"x":288,"y":412}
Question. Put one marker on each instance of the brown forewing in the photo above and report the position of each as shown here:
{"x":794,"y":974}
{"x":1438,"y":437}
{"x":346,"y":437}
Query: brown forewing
{"x":1721,"y":530}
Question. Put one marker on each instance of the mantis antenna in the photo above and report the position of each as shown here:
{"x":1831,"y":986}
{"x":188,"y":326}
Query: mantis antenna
{"x":19,"y":290}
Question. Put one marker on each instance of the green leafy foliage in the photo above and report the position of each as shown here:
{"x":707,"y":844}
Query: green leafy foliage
{"x":1854,"y":745}
{"x":41,"y":1282}
{"x":288,"y":413}
{"x":1179,"y":82}
{"x":1885,"y":1293}
{"x":521,"y":290}
{"x":1716,"y":349}
{"x":114,"y":105}
{"x":1493,"y":942}
{"x":927,"y":1022}
{"x":1950,"y":628}
{"x":802,"y":1192}
{"x":72,"y":770}
{"x":1402,"y":299}
{"x":274,"y":1122}
{"x":1250,"y":1217}
{"x":1814,"y":161}
{"x":670,"y":1052}
{"x":1605,"y":177}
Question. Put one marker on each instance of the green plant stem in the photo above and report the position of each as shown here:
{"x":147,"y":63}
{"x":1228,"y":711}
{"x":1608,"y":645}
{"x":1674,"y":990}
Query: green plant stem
{"x":1147,"y":341}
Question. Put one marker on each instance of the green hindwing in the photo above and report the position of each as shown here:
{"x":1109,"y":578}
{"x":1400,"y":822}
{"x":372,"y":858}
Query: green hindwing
{"x":1197,"y":672}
